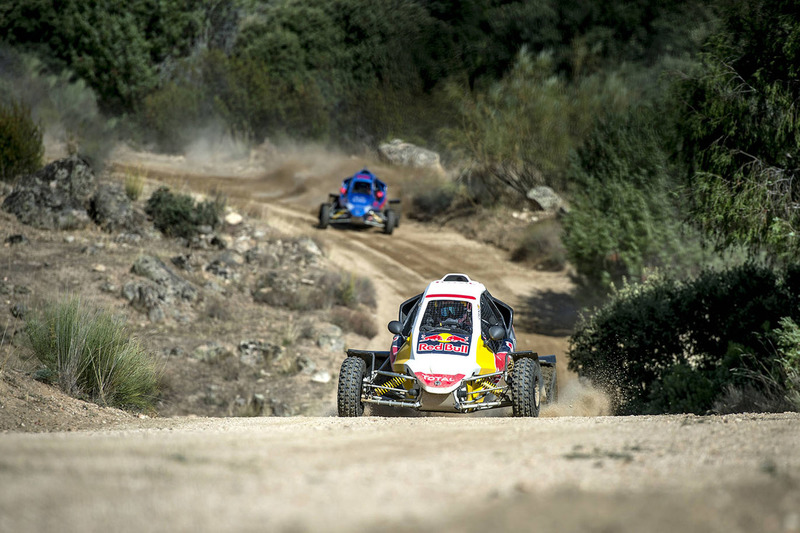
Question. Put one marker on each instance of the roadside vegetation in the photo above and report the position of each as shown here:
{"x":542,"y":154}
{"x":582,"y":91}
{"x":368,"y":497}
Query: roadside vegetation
{"x":178,"y":215}
{"x":89,"y":354}
{"x":671,"y":132}
{"x":21,"y":148}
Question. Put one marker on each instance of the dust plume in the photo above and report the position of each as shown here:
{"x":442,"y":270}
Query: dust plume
{"x":579,"y":398}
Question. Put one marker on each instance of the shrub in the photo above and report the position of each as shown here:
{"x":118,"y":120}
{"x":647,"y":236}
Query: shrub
{"x":177,"y":215}
{"x":357,"y":321}
{"x":21,"y":147}
{"x":789,"y":357}
{"x":672,"y":346}
{"x":541,"y":246}
{"x":625,"y":215}
{"x":89,"y":354}
{"x":430,"y":197}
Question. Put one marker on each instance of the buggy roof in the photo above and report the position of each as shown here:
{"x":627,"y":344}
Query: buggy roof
{"x":454,"y":287}
{"x":365,"y":176}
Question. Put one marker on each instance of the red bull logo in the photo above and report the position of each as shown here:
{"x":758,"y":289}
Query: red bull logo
{"x":443,"y":342}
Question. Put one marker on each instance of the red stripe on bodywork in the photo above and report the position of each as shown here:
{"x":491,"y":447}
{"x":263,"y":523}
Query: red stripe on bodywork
{"x":450,"y":296}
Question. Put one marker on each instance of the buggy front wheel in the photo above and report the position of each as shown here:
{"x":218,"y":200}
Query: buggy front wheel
{"x":351,"y":378}
{"x":390,"y":222}
{"x":526,"y":387}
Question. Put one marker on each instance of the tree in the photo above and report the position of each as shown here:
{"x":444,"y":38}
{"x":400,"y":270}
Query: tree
{"x":742,"y":130}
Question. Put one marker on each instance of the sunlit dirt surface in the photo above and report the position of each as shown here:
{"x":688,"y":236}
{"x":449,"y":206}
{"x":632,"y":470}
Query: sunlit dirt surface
{"x":627,"y":474}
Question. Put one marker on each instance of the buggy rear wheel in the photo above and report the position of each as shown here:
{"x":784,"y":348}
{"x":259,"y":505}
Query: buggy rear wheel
{"x":351,"y":378}
{"x":324,"y":215}
{"x":526,"y":387}
{"x":550,"y":381}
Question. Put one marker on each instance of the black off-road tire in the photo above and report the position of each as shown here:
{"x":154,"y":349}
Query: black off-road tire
{"x":324,"y":215}
{"x":526,"y":387}
{"x":351,"y":377}
{"x":391,"y":221}
{"x":550,"y":392}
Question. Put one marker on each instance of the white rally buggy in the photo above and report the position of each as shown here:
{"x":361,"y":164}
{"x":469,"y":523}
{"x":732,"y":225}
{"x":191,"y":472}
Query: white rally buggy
{"x":454,"y":350}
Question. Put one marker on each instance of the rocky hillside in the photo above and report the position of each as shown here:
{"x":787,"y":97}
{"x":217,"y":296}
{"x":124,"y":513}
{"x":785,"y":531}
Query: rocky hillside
{"x":240,"y":316}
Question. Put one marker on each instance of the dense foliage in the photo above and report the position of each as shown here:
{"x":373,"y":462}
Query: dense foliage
{"x":21,"y":146}
{"x":743,"y":129}
{"x":672,"y":346}
{"x":625,"y":204}
{"x":178,"y":215}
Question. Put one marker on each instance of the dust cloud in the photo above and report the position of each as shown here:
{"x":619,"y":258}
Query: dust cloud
{"x":579,"y":398}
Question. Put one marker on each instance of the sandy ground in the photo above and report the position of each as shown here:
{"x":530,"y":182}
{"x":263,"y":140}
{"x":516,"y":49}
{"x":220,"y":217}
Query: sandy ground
{"x":571,"y":470}
{"x":661,"y":473}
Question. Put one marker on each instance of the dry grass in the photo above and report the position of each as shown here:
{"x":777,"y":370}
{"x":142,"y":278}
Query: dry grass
{"x":134,"y":183}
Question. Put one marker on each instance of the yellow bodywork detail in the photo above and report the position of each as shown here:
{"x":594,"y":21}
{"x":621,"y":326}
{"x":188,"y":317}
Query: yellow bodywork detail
{"x":403,"y":357}
{"x":485,"y":358}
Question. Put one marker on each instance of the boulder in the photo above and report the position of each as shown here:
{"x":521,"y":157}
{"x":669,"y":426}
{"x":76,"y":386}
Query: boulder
{"x":112,"y":210}
{"x":545,"y":198}
{"x":160,"y":289}
{"x":56,"y":197}
{"x":153,"y":269}
{"x":406,"y":154}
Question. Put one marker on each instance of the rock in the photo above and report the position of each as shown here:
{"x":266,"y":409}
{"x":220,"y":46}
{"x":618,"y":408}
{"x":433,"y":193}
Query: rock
{"x":225,"y":265}
{"x":160,"y":289}
{"x":321,"y":377}
{"x":256,"y":352}
{"x":111,"y":209}
{"x":211,"y":351}
{"x":545,"y":198}
{"x":18,"y":238}
{"x":233,"y":219}
{"x":406,"y":154}
{"x":146,"y":298}
{"x":56,"y":197}
{"x":109,"y":287}
{"x":155,"y":270}
{"x":330,"y":338}
{"x":183,"y":261}
{"x":19,"y":311}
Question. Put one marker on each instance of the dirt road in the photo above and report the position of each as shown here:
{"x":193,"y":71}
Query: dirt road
{"x":666,"y":473}
{"x":287,"y":192}
{"x":561,"y":472}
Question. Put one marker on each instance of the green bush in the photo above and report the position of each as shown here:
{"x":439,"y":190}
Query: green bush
{"x":90,"y":355}
{"x":21,"y":147}
{"x":177,"y":215}
{"x":675,"y":346}
{"x":625,"y":214}
{"x":789,"y":357}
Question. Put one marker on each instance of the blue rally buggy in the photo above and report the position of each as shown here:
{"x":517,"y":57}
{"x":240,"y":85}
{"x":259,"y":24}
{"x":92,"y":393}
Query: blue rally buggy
{"x":362,"y":201}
